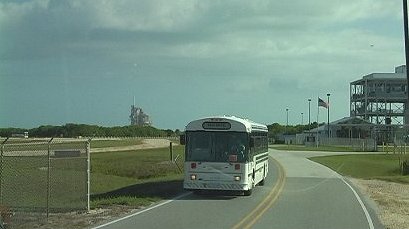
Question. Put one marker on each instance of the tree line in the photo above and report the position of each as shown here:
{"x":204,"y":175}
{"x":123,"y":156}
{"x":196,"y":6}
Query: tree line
{"x":276,"y":130}
{"x":71,"y":130}
{"x":75,"y":130}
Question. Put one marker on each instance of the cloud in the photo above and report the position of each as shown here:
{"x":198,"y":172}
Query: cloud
{"x":185,"y":28}
{"x":227,"y":54}
{"x":143,"y":15}
{"x":311,"y":44}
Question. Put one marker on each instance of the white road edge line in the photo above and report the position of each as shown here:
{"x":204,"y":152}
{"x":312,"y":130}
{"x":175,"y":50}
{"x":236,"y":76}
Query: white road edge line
{"x":145,"y":210}
{"x":368,"y":217}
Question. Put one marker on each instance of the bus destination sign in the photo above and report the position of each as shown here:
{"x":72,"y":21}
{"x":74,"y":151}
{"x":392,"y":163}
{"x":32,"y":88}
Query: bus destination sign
{"x":216,"y":125}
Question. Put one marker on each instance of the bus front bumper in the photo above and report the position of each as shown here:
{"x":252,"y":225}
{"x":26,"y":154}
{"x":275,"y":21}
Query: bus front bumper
{"x":203,"y":185}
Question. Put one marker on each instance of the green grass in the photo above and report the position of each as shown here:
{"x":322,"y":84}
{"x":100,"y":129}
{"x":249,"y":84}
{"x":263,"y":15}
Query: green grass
{"x":24,"y":183}
{"x":314,"y":148}
{"x":132,"y":192}
{"x":386,"y":148}
{"x":138,"y":164}
{"x":391,"y":148}
{"x":101,"y":183}
{"x":134,"y":178}
{"x":373,"y":166}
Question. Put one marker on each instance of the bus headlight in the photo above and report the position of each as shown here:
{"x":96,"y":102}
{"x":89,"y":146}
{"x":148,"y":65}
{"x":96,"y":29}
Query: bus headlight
{"x":193,"y":176}
{"x":237,"y":178}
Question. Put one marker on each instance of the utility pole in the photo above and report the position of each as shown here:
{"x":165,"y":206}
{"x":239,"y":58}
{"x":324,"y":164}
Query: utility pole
{"x":405,"y":27}
{"x":405,"y":164}
{"x":309,"y":112}
{"x":286,"y":126}
{"x":328,"y":114}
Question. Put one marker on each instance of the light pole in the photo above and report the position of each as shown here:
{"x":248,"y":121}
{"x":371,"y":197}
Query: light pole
{"x":328,"y":114}
{"x":302,"y":118}
{"x":286,"y":109}
{"x":406,"y":35}
{"x":309,"y":112}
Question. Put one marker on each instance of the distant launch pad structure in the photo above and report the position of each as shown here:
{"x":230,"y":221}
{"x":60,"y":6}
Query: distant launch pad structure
{"x":138,"y":117}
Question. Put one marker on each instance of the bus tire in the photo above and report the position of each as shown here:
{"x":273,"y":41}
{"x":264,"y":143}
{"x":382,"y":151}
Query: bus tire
{"x":250,"y":190}
{"x":264,"y":177}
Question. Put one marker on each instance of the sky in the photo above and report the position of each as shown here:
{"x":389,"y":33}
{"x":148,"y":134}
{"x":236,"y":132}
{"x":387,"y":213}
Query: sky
{"x":83,"y":61}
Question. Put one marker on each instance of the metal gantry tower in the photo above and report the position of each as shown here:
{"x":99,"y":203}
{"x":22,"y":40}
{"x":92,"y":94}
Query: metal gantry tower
{"x":380,"y":97}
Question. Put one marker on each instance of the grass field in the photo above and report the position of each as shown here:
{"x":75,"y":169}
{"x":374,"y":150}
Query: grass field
{"x":135,"y":177}
{"x":374,"y":166}
{"x":314,"y":148}
{"x":24,"y":183}
{"x":392,"y":149}
{"x":385,"y":148}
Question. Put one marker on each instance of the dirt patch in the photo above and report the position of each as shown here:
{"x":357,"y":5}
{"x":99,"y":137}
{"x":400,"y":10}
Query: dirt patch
{"x":146,"y":144}
{"x":392,"y":200}
{"x":72,"y":219}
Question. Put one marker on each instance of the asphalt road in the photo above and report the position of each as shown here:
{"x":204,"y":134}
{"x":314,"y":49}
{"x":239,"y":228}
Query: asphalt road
{"x":297,"y":194}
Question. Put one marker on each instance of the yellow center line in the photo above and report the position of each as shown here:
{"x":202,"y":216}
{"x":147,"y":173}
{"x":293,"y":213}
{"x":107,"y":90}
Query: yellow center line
{"x":263,"y":206}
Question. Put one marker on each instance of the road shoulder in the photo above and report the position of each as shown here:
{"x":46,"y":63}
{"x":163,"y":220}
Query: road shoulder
{"x":392,"y":201}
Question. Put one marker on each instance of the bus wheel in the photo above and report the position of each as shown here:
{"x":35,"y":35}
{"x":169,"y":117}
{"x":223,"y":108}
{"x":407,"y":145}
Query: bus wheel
{"x":264,"y":177}
{"x":248,"y":192}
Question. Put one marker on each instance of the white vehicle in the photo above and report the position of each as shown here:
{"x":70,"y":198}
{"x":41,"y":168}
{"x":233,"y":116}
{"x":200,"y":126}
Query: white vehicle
{"x":225,"y":153}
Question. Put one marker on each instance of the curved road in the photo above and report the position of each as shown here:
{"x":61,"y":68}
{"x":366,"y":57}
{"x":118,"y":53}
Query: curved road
{"x":298,"y":193}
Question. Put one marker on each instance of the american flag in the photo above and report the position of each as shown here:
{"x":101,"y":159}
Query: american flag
{"x":322,"y":103}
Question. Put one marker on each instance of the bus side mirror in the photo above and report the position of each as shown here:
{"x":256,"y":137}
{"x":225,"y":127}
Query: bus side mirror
{"x":182,"y":139}
{"x":251,"y":142}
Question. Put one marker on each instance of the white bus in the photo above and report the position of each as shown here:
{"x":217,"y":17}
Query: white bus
{"x":225,"y":153}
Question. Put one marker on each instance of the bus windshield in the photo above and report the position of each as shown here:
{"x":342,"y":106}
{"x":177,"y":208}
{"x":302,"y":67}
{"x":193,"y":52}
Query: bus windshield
{"x":217,"y":146}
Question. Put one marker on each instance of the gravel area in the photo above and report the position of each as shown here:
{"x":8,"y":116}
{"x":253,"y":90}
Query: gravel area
{"x":392,"y":200}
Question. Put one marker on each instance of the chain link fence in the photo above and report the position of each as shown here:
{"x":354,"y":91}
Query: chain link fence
{"x":395,"y":140}
{"x":39,"y":177}
{"x":353,"y":143}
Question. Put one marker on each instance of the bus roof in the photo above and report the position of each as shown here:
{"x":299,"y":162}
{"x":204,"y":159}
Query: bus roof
{"x":225,"y":123}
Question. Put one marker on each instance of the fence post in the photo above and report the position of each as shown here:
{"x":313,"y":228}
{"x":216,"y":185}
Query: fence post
{"x":1,"y":170}
{"x":88,"y":150}
{"x":49,"y":176}
{"x":1,"y":174}
{"x":171,"y":151}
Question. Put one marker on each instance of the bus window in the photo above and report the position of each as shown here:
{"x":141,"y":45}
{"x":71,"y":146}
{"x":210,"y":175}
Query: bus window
{"x":237,"y":146}
{"x":217,"y":146}
{"x":199,"y":147}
